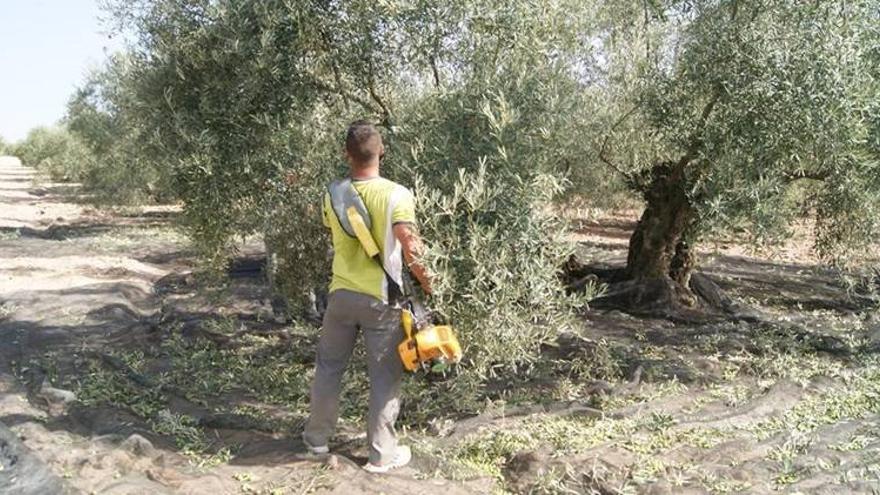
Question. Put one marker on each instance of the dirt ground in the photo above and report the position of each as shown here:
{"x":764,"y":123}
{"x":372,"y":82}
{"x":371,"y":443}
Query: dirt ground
{"x":126,"y":374}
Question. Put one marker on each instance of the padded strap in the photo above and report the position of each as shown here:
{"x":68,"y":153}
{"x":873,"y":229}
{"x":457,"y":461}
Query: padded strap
{"x":343,"y":196}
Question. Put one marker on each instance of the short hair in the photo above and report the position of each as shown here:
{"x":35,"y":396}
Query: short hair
{"x":363,"y":141}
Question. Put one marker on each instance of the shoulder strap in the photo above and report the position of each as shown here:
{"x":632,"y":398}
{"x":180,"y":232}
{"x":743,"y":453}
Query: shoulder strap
{"x":343,"y":196}
{"x":355,"y":220}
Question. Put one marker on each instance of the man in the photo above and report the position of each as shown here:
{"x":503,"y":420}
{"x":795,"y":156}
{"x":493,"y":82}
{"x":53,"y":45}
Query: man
{"x":363,"y":293}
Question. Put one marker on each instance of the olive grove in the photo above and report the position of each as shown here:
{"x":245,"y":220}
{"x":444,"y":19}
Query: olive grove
{"x":715,"y":113}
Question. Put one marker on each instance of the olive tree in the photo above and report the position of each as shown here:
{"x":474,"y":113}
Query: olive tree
{"x":127,"y":165}
{"x":718,"y":109}
{"x":247,"y":103}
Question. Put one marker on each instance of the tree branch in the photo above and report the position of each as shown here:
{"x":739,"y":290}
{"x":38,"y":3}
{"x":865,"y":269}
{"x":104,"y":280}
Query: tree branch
{"x":604,"y":147}
{"x":696,"y":140}
{"x":435,"y":70}
{"x":645,"y":30}
{"x":338,"y":78}
{"x":329,"y":88}
{"x":371,"y":86}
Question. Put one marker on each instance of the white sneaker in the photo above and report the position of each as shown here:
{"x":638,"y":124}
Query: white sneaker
{"x":316,"y":449}
{"x":402,"y":458}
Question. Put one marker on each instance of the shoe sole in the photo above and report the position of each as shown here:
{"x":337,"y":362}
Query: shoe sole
{"x":371,"y":468}
{"x":323,"y":449}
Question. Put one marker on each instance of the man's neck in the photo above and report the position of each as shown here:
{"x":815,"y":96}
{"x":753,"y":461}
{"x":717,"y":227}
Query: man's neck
{"x":369,"y":172}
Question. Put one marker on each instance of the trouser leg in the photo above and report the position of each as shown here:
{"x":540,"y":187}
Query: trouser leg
{"x":337,"y":341}
{"x":382,"y":335}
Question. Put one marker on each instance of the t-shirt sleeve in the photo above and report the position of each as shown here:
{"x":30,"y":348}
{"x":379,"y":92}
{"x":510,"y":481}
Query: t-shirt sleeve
{"x":404,"y":208}
{"x":325,"y":211}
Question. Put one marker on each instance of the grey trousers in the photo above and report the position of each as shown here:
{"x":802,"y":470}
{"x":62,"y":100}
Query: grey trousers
{"x":347,"y":313}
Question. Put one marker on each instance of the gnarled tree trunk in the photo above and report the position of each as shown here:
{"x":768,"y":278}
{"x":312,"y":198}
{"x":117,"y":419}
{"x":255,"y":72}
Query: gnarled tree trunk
{"x":659,"y":278}
{"x":658,"y":247}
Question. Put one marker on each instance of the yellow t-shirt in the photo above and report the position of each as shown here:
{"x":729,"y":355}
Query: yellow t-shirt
{"x":388,"y":203}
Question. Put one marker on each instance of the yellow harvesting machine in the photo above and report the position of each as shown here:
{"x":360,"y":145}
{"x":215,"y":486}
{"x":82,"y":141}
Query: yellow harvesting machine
{"x":432,"y":343}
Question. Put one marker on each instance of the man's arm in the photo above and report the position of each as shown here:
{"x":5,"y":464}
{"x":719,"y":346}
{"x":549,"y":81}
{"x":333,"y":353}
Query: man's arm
{"x":412,"y":247}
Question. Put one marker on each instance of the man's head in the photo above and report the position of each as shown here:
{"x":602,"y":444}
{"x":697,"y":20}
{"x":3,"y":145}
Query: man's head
{"x":363,"y":144}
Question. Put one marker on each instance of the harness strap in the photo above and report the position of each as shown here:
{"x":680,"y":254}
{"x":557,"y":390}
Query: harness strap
{"x":343,"y":196}
{"x":354,"y":217}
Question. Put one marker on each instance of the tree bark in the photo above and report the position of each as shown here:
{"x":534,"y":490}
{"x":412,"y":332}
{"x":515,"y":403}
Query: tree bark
{"x":683,"y":264}
{"x":657,"y":248}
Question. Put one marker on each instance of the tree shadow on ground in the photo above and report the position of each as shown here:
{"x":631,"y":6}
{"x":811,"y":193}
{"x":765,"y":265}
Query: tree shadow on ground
{"x":154,"y":214}
{"x":784,"y":285}
{"x":617,"y":229}
{"x":166,"y":258}
{"x":75,"y":231}
{"x":32,"y":201}
{"x":18,"y":178}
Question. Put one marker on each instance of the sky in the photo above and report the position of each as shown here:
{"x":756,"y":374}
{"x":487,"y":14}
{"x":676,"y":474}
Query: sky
{"x":46,"y":50}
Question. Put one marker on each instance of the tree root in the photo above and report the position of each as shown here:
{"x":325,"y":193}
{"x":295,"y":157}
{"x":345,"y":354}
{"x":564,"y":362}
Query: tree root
{"x":701,"y":301}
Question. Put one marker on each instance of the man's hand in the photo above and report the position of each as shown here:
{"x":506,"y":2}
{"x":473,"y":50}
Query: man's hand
{"x":412,"y":247}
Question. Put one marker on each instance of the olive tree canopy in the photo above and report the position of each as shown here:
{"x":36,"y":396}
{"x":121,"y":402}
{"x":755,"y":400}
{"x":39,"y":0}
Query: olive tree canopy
{"x":720,"y":110}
